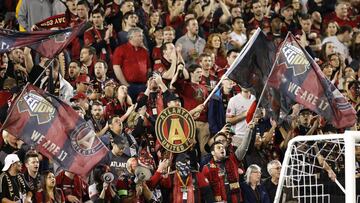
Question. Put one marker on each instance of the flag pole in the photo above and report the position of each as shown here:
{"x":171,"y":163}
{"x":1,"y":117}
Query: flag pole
{"x":234,"y":64}
{"x":22,"y":92}
{"x":42,"y":73}
{"x":271,"y":71}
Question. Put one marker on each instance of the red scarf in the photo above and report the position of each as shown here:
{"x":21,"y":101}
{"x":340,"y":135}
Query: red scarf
{"x":232,"y":175}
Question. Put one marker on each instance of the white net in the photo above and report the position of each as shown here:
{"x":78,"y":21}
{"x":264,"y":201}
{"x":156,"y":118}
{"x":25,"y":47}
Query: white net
{"x":306,"y":168}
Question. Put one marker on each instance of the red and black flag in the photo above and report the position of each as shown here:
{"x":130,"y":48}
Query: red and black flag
{"x":48,"y":42}
{"x":252,"y":67}
{"x":54,"y":21}
{"x":297,"y":78}
{"x":57,"y":131}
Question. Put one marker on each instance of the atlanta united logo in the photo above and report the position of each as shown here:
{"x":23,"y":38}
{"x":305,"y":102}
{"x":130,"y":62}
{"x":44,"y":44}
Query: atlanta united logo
{"x":83,"y":140}
{"x":295,"y":59}
{"x":36,"y":106}
{"x":60,"y":38}
{"x":175,"y":129}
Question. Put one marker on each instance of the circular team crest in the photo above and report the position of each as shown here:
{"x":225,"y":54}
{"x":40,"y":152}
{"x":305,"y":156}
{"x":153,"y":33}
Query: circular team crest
{"x":83,"y":140}
{"x":175,"y":128}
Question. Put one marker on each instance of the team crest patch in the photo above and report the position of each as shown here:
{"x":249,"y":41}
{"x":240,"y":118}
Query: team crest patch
{"x":295,"y":59}
{"x":61,"y":38}
{"x":175,"y":129}
{"x":36,"y":106}
{"x":83,"y":140}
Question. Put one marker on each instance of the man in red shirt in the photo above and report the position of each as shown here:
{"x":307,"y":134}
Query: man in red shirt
{"x":87,"y":60}
{"x":259,"y":19}
{"x":230,"y":57}
{"x":208,"y":78}
{"x":131,"y":63}
{"x":82,"y":83}
{"x":169,"y":61}
{"x":101,"y":37}
{"x":222,"y":173}
{"x":341,"y":15}
{"x":194,"y":94}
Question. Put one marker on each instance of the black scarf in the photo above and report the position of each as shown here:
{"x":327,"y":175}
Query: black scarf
{"x":20,"y":182}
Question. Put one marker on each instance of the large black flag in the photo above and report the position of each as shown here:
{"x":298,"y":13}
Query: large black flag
{"x":297,"y":78}
{"x":251,"y":69}
{"x":55,"y":129}
{"x":48,"y":42}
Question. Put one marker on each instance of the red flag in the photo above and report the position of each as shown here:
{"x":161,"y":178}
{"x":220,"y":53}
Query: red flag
{"x":48,"y":42}
{"x":297,"y":77}
{"x":55,"y":130}
{"x":53,"y":21}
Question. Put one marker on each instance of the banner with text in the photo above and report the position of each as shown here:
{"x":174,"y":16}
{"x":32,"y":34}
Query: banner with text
{"x":298,"y":77}
{"x":55,"y":130}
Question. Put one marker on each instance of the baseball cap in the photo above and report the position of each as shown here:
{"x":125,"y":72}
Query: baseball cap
{"x":120,"y":140}
{"x":305,"y":110}
{"x":9,"y":160}
{"x":287,"y":6}
{"x":83,"y":79}
{"x":79,"y":95}
{"x":170,"y":96}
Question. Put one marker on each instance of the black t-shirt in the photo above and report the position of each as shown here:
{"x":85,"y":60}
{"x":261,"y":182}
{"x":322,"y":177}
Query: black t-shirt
{"x":17,"y":184}
{"x":35,"y":73}
{"x":33,"y":184}
{"x":19,"y":76}
{"x":270,"y":188}
{"x":117,"y":164}
{"x":2,"y":80}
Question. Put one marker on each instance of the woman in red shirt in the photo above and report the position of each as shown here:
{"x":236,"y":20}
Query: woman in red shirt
{"x":48,"y":192}
{"x":215,"y":45}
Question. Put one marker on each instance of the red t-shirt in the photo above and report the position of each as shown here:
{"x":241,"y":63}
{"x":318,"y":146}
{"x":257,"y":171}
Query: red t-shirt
{"x":193,"y":95}
{"x":179,"y":20}
{"x":156,"y":54}
{"x":40,"y":196}
{"x":253,"y":23}
{"x":134,"y":62}
{"x":95,"y":37}
{"x":221,"y":61}
{"x":341,"y":22}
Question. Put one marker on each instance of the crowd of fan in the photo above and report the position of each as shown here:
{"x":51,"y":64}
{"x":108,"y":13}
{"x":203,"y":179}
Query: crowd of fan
{"x":138,"y":57}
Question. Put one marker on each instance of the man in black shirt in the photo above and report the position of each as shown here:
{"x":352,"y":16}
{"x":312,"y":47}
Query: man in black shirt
{"x":116,"y":158}
{"x":13,"y":187}
{"x":31,"y":175}
{"x":272,"y":182}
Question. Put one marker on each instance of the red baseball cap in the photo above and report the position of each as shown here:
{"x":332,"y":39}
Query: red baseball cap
{"x":79,"y":95}
{"x":83,"y":79}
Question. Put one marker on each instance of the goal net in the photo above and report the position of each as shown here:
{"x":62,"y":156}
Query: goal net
{"x":310,"y":161}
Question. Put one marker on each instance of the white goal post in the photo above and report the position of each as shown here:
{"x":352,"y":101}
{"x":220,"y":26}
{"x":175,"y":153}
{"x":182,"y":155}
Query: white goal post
{"x":297,"y":172}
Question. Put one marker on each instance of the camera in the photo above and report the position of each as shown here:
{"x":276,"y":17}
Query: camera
{"x":108,"y":177}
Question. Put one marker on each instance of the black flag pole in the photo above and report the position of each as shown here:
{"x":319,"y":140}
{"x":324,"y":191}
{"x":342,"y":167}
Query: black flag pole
{"x":42,"y":73}
{"x":244,"y":50}
{"x":271,"y":71}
